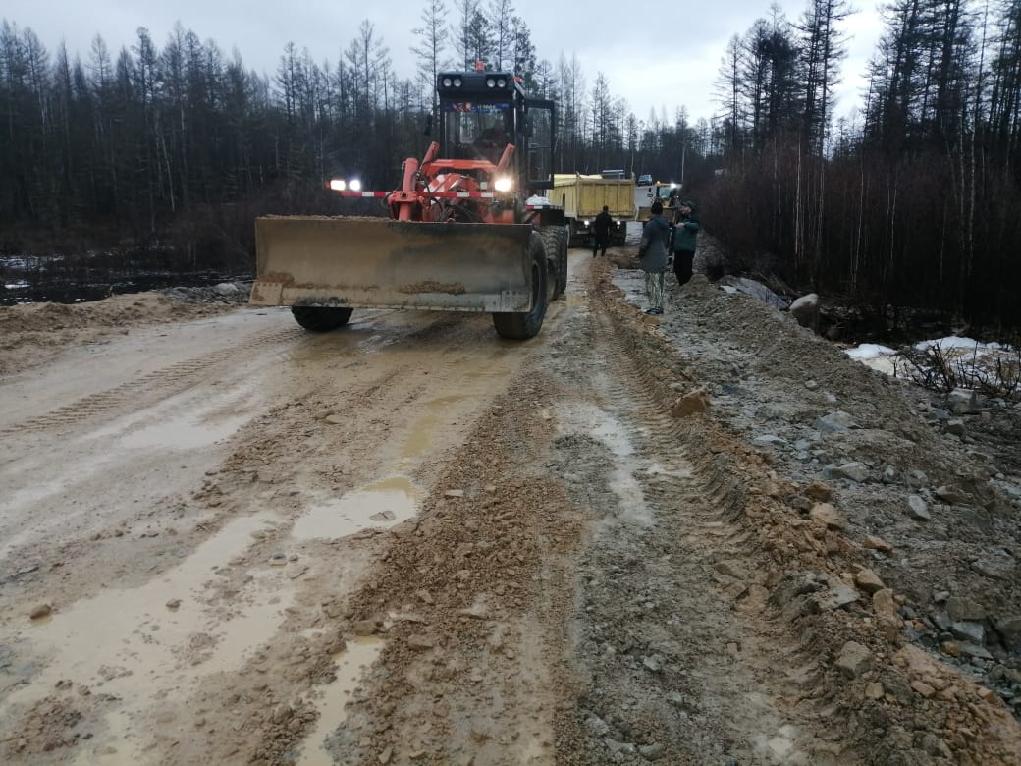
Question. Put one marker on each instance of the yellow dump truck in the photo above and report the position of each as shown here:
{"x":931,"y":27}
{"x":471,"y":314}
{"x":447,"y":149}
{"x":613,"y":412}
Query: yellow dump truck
{"x":583,"y":197}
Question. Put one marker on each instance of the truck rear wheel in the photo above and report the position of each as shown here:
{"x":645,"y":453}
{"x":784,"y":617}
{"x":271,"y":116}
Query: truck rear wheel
{"x":555,"y":239}
{"x":522,"y":325}
{"x":321,"y":318}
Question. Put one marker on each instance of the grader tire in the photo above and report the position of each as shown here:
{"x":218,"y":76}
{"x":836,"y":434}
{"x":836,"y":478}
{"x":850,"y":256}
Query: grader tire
{"x":555,"y":238}
{"x":321,"y":318}
{"x":522,"y":325}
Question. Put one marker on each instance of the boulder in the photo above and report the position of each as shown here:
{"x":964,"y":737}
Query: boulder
{"x":806,"y":310}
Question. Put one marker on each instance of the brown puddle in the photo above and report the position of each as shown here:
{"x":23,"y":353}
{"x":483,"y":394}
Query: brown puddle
{"x":380,"y":504}
{"x":128,"y":643}
{"x":351,"y":665}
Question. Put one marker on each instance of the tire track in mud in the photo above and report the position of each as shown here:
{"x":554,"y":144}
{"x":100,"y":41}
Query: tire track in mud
{"x":165,"y":381}
{"x":672,"y":670}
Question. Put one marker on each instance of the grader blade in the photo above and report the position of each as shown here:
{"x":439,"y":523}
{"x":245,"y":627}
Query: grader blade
{"x":378,"y":262}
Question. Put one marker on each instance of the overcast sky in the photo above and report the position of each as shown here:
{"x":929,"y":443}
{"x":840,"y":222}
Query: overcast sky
{"x":649,"y":59}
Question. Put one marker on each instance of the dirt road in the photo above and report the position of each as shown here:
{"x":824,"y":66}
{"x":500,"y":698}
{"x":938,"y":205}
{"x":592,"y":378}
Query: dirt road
{"x":226,"y":541}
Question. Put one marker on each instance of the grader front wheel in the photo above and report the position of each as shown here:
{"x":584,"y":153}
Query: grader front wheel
{"x":321,"y":318}
{"x":526,"y":324}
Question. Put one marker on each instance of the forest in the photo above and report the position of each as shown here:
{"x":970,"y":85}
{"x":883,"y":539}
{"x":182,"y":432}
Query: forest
{"x":913,"y":203}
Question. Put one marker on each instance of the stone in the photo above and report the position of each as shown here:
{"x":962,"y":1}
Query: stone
{"x":768,"y":440}
{"x":961,"y":401}
{"x":974,"y":650}
{"x":969,"y":631}
{"x":857,"y":472}
{"x":676,"y":699}
{"x":806,"y":310}
{"x":425,"y":596}
{"x":652,"y":752}
{"x":597,"y":726}
{"x":1009,"y":629}
{"x":174,"y":604}
{"x":997,"y":569}
{"x":454,"y":493}
{"x":961,"y":609}
{"x":653,"y":663}
{"x":835,"y":422}
{"x":41,"y":611}
{"x":334,"y":419}
{"x":885,"y":607}
{"x":869,"y":581}
{"x":923,"y":688}
{"x":951,"y":648}
{"x":817,"y":490}
{"x":828,"y":515}
{"x":226,"y":289}
{"x":877,"y":544}
{"x":917,"y":478}
{"x":950,"y":494}
{"x":364,"y":627}
{"x":386,"y":756}
{"x":854,"y":659}
{"x":839,"y":595}
{"x":690,"y":404}
{"x":918,"y":509}
{"x":955,"y":426}
{"x":874,"y":691}
{"x":419,"y":641}
{"x":383,"y":516}
{"x":889,"y":475}
{"x":811,"y":385}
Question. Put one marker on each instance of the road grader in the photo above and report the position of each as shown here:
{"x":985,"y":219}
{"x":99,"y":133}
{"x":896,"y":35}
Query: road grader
{"x":470,"y":229}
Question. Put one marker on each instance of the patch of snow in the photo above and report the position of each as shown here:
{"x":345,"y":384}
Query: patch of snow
{"x":869,"y":351}
{"x":954,"y":342}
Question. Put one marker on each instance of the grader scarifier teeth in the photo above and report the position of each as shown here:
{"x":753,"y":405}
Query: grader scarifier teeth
{"x":378,"y":262}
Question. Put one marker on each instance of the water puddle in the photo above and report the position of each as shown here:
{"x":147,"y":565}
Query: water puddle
{"x":610,"y":431}
{"x":381,"y":504}
{"x":129,"y":643}
{"x":351,"y":665}
{"x":420,"y":436}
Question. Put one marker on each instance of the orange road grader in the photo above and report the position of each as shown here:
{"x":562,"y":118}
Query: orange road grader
{"x":470,"y":229}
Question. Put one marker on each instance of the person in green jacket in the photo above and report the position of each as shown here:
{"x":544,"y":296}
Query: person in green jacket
{"x":685,"y":235}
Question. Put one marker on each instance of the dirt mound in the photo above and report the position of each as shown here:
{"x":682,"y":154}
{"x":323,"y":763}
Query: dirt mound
{"x":31,"y":333}
{"x":882,"y":598}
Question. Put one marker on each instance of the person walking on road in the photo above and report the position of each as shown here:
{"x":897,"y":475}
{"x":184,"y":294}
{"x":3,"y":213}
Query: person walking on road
{"x":685,"y":235}
{"x":652,"y":253}
{"x":601,"y":230}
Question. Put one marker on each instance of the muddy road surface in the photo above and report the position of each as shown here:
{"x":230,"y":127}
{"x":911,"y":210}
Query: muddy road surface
{"x":223,"y":540}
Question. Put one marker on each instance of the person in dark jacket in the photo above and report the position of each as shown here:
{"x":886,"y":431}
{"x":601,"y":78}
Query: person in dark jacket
{"x":652,"y":253}
{"x":685,"y":236}
{"x":601,"y":231}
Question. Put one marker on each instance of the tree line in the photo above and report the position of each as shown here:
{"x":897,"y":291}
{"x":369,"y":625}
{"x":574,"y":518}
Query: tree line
{"x":178,"y":146}
{"x":914,"y":201}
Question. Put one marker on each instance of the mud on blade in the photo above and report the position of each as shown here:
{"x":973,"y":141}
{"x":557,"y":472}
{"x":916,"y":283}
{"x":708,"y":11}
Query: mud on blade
{"x":377,"y":262}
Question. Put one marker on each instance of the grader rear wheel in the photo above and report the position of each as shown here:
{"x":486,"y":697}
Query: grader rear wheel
{"x":555,"y":239}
